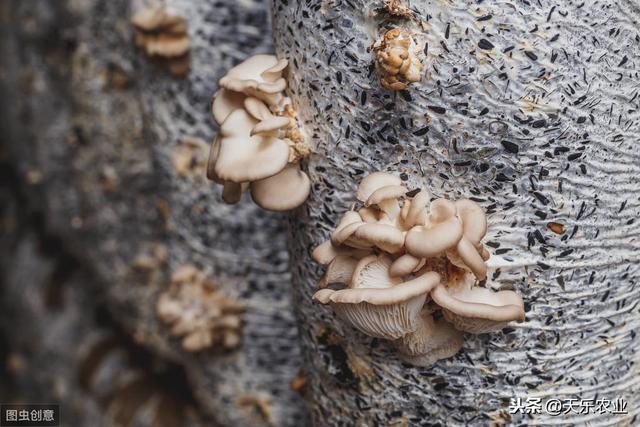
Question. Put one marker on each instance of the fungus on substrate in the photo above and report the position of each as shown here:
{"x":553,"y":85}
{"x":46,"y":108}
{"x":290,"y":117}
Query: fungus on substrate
{"x":163,"y":37}
{"x":397,"y":59}
{"x":260,"y":143}
{"x":397,"y":8}
{"x":198,"y":312}
{"x":400,"y":259}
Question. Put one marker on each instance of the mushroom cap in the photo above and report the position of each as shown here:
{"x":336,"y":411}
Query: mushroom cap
{"x":384,"y":236}
{"x":478,"y":310}
{"x":344,"y":233}
{"x":387,"y":192}
{"x":441,"y":210}
{"x":386,"y":198}
{"x":267,"y":121}
{"x":340,"y":270}
{"x":151,"y":18}
{"x":471,"y":258}
{"x":224,"y":103}
{"x":388,"y":313}
{"x":259,"y":76}
{"x":165,"y":45}
{"x":423,"y":242}
{"x":369,"y":215}
{"x":406,"y":264}
{"x":417,"y":213}
{"x":326,"y":252}
{"x":283,"y":191}
{"x":474,"y":220}
{"x":432,"y":341}
{"x":374,"y":181}
{"x":242,"y":157}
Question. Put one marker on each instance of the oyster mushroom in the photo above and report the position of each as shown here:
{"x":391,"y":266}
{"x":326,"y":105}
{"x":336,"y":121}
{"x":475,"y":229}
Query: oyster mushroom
{"x":198,"y":312}
{"x":345,"y":232}
{"x":386,"y":237}
{"x":242,"y":157}
{"x":442,"y":231}
{"x":259,"y":143}
{"x":260,"y":76}
{"x":478,"y":310}
{"x":224,"y":103}
{"x":267,"y":121}
{"x":405,"y":264}
{"x":164,"y":37}
{"x":469,"y":253}
{"x":376,"y":304}
{"x":373,"y":182}
{"x":432,"y":341}
{"x":326,"y":252}
{"x":386,"y":198}
{"x":286,"y":190}
{"x":417,"y":209}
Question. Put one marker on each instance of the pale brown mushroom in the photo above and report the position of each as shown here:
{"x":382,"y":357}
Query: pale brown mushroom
{"x":426,"y":242}
{"x":417,"y":209}
{"x":224,"y":103}
{"x":386,"y":198}
{"x":345,"y":232}
{"x":469,"y":253}
{"x":326,"y":252}
{"x":283,"y":191}
{"x":386,"y":237}
{"x":374,"y":181}
{"x":474,"y":220}
{"x":397,"y":59}
{"x":478,"y":310}
{"x":259,"y":76}
{"x":163,"y":37}
{"x":405,"y":264}
{"x":267,"y":121}
{"x":242,"y":157}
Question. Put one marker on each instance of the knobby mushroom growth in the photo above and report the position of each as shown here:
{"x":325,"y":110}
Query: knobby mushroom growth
{"x":164,"y":38}
{"x":260,"y":143}
{"x":397,"y":59}
{"x":404,"y":267}
{"x":198,"y":312}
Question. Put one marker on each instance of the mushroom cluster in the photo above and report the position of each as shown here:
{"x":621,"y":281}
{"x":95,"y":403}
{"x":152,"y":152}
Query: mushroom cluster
{"x":163,"y":37}
{"x":259,"y":144}
{"x":404,"y":268}
{"x":199,"y":312}
{"x":397,"y":59}
{"x":398,"y":8}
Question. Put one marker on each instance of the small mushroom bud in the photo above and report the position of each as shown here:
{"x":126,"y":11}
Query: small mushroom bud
{"x":396,"y":59}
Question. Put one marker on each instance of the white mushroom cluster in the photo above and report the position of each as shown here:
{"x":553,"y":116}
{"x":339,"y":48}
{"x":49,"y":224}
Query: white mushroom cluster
{"x":163,"y":37}
{"x":400,"y":259}
{"x":198,"y":312}
{"x":260,"y":143}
